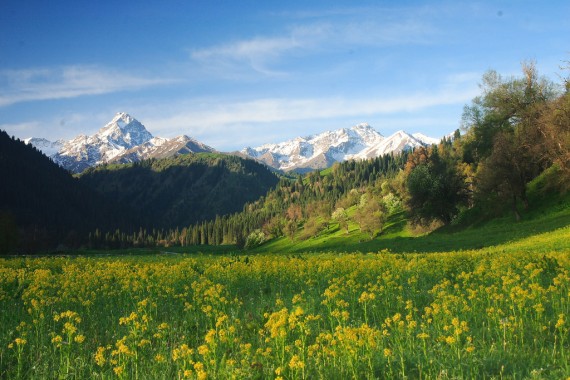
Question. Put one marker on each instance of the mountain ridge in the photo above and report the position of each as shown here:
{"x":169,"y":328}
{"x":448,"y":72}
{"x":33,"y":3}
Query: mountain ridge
{"x":319,"y":151}
{"x":125,"y":140}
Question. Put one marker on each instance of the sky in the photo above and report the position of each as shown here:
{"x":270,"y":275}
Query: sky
{"x":243,"y":73}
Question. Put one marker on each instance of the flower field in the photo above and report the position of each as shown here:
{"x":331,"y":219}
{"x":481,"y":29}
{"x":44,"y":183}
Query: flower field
{"x":320,"y":316}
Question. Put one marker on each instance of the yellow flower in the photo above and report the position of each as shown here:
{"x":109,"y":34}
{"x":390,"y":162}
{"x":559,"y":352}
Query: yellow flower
{"x":118,"y":370}
{"x":560,"y":321}
{"x":203,"y":350}
{"x":210,"y":336}
{"x":57,"y":340}
{"x":143,"y":342}
{"x":79,"y":339}
{"x":100,"y":356}
{"x":20,"y":341}
{"x":296,"y":362}
{"x":423,"y":335}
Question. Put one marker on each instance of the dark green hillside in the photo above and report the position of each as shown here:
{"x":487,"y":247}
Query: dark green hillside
{"x":43,"y":206}
{"x":178,"y":191}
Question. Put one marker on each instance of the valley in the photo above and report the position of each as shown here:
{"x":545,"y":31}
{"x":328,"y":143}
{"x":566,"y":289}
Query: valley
{"x":371,"y":257}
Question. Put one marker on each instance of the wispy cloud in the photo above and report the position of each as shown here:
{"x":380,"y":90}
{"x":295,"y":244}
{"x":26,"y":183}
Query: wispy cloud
{"x":260,"y":53}
{"x":67,"y":82}
{"x":256,"y":52}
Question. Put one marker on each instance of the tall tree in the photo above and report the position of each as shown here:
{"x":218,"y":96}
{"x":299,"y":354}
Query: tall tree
{"x":504,"y":134}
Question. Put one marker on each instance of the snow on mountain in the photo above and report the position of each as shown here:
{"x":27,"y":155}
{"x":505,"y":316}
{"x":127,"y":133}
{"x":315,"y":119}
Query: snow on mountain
{"x":123,"y":139}
{"x":49,"y":148}
{"x":395,"y":143}
{"x":121,"y":133}
{"x":322,"y":150}
{"x":317,"y":151}
{"x":426,"y":139}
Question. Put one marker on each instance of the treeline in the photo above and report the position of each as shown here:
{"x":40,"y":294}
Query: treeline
{"x":285,"y":208}
{"x":517,"y":128}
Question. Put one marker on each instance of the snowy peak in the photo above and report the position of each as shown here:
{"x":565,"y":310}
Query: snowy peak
{"x":395,"y":143}
{"x":124,"y":131}
{"x":316,"y":151}
{"x":123,"y":139}
{"x":322,"y":150}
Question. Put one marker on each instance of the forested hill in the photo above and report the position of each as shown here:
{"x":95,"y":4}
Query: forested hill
{"x":517,"y":130}
{"x":182,"y":190}
{"x":42,"y":205}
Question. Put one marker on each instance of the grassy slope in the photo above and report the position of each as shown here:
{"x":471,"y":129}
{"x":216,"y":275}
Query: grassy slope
{"x":546,"y":225}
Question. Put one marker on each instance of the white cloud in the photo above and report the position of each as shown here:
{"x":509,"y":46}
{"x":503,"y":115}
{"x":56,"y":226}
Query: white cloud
{"x":67,"y":82}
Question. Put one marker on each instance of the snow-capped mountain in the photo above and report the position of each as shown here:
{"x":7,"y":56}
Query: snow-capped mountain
{"x":395,"y":143}
{"x":426,"y":139}
{"x":322,"y":150}
{"x":123,"y":139}
{"x":49,"y":148}
{"x":121,"y":133}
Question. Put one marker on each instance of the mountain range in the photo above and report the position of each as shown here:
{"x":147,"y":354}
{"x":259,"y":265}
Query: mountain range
{"x":124,"y":140}
{"x":320,"y":151}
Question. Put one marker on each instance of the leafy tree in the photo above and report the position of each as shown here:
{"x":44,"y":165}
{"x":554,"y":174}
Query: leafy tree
{"x":435,"y":189}
{"x":370,"y":215}
{"x":554,"y":125}
{"x":504,"y":134}
{"x":341,"y":216}
{"x":255,"y":239}
{"x":505,"y":105}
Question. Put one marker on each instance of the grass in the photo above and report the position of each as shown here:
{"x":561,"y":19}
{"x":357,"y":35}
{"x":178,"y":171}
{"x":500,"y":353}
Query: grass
{"x":549,"y":212}
{"x":478,"y":314}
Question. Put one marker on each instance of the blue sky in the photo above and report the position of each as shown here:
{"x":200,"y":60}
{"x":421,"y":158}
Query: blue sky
{"x":243,"y":73}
